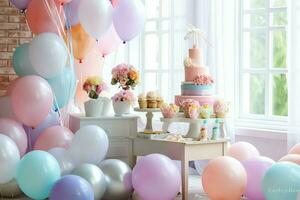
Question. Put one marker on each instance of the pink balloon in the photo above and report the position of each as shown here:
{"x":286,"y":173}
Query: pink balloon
{"x":31,"y":100}
{"x":15,"y":131}
{"x":295,"y":149}
{"x":109,"y":42}
{"x":224,"y":178}
{"x":45,"y":16}
{"x":256,"y":168}
{"x":295,"y":158}
{"x":151,"y":178}
{"x":242,"y":151}
{"x":63,"y":1}
{"x":55,"y":136}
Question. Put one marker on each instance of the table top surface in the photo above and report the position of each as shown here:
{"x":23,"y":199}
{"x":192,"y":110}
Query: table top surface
{"x":147,"y":109}
{"x":81,"y":116}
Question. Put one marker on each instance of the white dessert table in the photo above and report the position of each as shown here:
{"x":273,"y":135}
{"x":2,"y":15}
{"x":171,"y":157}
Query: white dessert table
{"x":183,"y":151}
{"x":149,"y":114}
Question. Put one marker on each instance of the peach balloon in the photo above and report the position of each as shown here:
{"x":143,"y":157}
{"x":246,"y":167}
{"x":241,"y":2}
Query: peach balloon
{"x":82,"y":43}
{"x":16,"y":132}
{"x":109,"y":42}
{"x":31,"y":100}
{"x":54,"y":136}
{"x":45,"y":16}
{"x":242,"y":151}
{"x":295,"y":158}
{"x":224,"y":178}
{"x":295,"y":149}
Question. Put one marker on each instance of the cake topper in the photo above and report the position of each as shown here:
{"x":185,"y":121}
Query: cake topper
{"x":195,"y":34}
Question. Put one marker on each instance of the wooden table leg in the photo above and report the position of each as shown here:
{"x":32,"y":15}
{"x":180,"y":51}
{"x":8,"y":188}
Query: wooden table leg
{"x":133,"y":162}
{"x":185,"y":179}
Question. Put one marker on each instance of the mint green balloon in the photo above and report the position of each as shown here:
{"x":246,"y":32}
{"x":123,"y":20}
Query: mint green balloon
{"x":21,"y":62}
{"x":282,"y":181}
{"x":37,"y":172}
{"x":63,"y":87}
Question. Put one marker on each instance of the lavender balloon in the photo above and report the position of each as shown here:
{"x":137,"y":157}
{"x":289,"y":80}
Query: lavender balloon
{"x":20,"y":4}
{"x":71,"y":11}
{"x":151,"y":178}
{"x":51,"y":120}
{"x":72,"y":187}
{"x":129,"y":18}
{"x":256,"y":168}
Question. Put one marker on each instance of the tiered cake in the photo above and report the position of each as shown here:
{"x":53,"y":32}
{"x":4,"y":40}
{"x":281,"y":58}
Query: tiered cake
{"x":198,"y":84}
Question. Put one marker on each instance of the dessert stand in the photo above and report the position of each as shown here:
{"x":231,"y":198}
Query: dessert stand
{"x":195,"y":125}
{"x":149,"y":115}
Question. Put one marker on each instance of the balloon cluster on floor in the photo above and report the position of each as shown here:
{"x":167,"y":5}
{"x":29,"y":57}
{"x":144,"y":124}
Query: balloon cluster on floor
{"x":245,"y":173}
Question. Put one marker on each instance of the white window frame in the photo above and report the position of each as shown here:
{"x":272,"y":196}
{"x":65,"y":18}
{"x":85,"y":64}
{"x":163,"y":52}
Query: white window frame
{"x":266,"y":121}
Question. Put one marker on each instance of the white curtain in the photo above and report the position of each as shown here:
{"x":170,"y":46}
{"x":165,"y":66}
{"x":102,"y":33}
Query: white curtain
{"x":294,"y":72}
{"x":219,"y":21}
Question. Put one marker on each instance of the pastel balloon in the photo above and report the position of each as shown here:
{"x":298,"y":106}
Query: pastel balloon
{"x":63,"y":1}
{"x":94,"y":175}
{"x":224,"y":178}
{"x":6,"y":108}
{"x":63,"y":87}
{"x":95,"y":16}
{"x":109,"y":42}
{"x":21,"y":62}
{"x":64,"y":160}
{"x":37,"y":173}
{"x":89,"y":145}
{"x":72,"y":187}
{"x":295,"y":149}
{"x":20,"y":4}
{"x":71,"y":11}
{"x":129,"y":11}
{"x":52,"y":119}
{"x":114,"y":2}
{"x":118,"y":178}
{"x":294,"y":158}
{"x":16,"y":132}
{"x":82,"y":42}
{"x":10,"y":189}
{"x":48,"y":54}
{"x":256,"y":168}
{"x":9,"y":159}
{"x":151,"y":178}
{"x":45,"y":16}
{"x":281,"y":181}
{"x":242,"y":151}
{"x":31,"y":100}
{"x":54,"y":136}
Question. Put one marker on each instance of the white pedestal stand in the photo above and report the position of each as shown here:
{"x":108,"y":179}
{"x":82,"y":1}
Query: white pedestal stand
{"x":149,"y":114}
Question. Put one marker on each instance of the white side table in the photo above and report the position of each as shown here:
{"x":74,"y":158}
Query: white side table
{"x":118,"y":130}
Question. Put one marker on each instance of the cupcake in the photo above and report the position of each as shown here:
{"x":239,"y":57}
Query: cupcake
{"x":142,"y":101}
{"x":159,"y":101}
{"x":169,"y":111}
{"x":205,"y":111}
{"x":189,"y":104}
{"x":151,"y":99}
{"x":221,"y":108}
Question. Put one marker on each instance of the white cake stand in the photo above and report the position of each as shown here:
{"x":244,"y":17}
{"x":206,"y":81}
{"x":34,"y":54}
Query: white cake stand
{"x":149,"y":114}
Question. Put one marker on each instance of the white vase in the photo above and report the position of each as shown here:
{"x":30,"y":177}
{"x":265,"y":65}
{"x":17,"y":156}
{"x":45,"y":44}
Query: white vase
{"x":106,"y":105}
{"x":121,"y":107}
{"x":93,"y":108}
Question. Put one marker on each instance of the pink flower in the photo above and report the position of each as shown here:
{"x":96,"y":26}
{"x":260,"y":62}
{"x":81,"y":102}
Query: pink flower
{"x":87,"y":87}
{"x":124,"y":95}
{"x":203,"y":79}
{"x":186,"y":104}
{"x":100,"y":88}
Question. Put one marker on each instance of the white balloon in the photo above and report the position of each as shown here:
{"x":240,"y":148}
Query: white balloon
{"x":9,"y":159}
{"x":89,"y":145}
{"x":48,"y":54}
{"x":95,"y":16}
{"x":64,"y":160}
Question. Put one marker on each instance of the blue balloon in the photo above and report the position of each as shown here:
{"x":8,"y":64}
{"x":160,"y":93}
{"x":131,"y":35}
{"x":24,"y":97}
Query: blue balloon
{"x":37,"y":173}
{"x":63,"y":87}
{"x":21,"y":62}
{"x":282,"y":181}
{"x":72,"y":187}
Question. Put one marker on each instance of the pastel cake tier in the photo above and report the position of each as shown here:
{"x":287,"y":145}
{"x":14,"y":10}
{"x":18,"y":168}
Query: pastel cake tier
{"x":192,"y":72}
{"x":190,"y":89}
{"x":203,"y":100}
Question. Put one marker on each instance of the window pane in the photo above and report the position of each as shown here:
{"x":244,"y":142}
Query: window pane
{"x":165,"y":51}
{"x":280,"y":95}
{"x":152,"y":8}
{"x":278,"y":3}
{"x":151,"y":51}
{"x":150,"y":81}
{"x":165,"y":25}
{"x":178,"y":77}
{"x":179,"y":7}
{"x":254,"y":94}
{"x":279,"y":19}
{"x":279,"y":44}
{"x":166,"y":5}
{"x":179,"y":49}
{"x":254,"y":4}
{"x":254,"y":20}
{"x":165,"y":88}
{"x":255,"y":50}
{"x":151,"y":26}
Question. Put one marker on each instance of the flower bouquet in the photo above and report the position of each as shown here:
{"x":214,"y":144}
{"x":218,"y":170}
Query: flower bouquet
{"x":122,"y":102}
{"x":126,"y":76}
{"x":94,"y":86}
{"x":169,"y":110}
{"x":190,"y":108}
